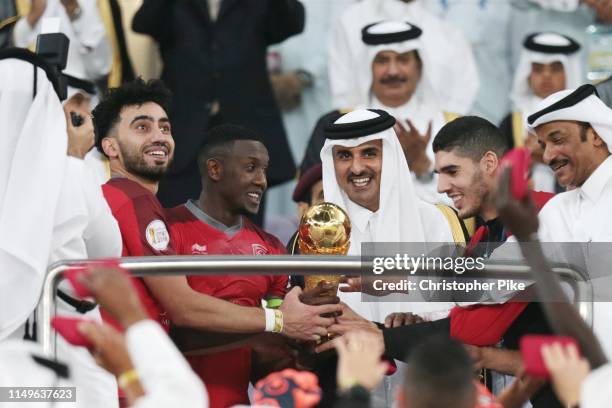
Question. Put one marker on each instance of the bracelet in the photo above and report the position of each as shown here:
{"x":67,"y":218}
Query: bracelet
{"x":127,"y":378}
{"x":274,"y":320}
{"x":279,"y":323}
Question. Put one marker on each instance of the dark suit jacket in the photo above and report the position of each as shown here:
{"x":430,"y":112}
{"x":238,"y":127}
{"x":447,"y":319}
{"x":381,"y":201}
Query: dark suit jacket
{"x":224,"y":60}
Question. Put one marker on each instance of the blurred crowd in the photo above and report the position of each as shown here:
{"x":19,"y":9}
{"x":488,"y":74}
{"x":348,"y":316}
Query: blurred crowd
{"x":211,"y":127}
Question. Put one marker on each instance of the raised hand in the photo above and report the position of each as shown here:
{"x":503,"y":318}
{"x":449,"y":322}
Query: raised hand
{"x":414,"y":144}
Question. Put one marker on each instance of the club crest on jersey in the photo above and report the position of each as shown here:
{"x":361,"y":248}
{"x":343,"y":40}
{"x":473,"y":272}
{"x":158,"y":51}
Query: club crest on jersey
{"x":197,"y":249}
{"x":259,"y":249}
{"x":157,"y":235}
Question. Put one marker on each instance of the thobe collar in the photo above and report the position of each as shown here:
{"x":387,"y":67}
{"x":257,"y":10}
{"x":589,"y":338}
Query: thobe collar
{"x":594,"y":185}
{"x":360,"y":216}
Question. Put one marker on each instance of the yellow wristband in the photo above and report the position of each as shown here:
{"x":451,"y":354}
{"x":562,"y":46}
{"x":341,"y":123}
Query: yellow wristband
{"x":127,"y":378}
{"x":278,"y":321}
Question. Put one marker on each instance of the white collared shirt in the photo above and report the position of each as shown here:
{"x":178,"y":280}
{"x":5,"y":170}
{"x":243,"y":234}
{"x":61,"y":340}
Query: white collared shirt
{"x":585,"y":215}
{"x":595,"y":391}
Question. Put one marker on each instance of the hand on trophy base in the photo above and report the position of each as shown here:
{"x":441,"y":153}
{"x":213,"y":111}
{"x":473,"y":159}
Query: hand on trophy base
{"x":321,"y":290}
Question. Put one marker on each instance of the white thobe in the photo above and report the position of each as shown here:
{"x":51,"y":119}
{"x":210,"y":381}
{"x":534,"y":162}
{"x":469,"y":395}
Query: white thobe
{"x":595,"y":391}
{"x":84,"y":229}
{"x":583,"y":215}
{"x":456,"y":84}
{"x":165,"y":375}
{"x":89,"y":54}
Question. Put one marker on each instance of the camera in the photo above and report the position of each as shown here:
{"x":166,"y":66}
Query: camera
{"x":53,"y":47}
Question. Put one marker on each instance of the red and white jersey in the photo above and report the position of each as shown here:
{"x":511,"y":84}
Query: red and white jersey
{"x":144,"y":232}
{"x":226,"y":374}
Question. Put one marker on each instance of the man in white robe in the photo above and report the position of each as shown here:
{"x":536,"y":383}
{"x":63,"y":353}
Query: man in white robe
{"x":365,"y":173}
{"x":550,"y":62}
{"x":575,"y":129}
{"x":52,"y":207}
{"x":454,"y":72}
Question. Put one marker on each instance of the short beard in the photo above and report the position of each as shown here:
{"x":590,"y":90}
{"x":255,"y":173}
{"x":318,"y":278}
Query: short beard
{"x":136,"y":165}
{"x":481,"y":190}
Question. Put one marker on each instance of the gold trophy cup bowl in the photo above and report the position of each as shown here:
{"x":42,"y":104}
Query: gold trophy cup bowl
{"x":325,"y":229}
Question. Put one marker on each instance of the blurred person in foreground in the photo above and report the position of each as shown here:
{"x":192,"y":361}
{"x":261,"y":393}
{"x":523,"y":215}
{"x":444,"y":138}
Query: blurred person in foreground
{"x":148,"y":367}
{"x":73,"y":222}
{"x":439,"y":374}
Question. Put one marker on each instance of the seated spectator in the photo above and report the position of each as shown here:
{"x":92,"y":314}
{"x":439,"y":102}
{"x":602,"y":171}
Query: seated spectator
{"x":549,"y":63}
{"x":456,"y":84}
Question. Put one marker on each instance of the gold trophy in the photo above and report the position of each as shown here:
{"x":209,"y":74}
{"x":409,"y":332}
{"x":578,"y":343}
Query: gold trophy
{"x":325,"y":229}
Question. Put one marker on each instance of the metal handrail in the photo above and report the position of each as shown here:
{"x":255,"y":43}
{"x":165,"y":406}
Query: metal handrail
{"x":272,"y":265}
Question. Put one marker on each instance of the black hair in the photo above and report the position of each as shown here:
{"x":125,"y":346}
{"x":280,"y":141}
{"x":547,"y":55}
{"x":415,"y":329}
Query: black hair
{"x":137,"y":92}
{"x":220,"y":140}
{"x":470,"y":136}
{"x":440,"y":373}
{"x":584,"y":128}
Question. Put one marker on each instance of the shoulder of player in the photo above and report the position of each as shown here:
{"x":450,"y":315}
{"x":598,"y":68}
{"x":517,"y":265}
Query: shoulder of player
{"x":269,"y":239}
{"x":121,"y":191}
{"x":178,"y":214}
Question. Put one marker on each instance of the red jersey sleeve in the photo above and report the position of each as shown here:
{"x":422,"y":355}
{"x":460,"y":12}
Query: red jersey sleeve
{"x":483,"y":325}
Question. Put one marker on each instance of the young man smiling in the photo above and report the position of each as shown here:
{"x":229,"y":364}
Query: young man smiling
{"x":233,"y":167}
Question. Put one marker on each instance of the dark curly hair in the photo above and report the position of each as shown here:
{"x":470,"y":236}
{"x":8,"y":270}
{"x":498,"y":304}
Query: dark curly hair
{"x":137,"y":92}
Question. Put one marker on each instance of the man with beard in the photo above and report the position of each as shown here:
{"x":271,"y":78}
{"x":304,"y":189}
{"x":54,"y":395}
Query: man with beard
{"x":468,"y":151}
{"x":133,"y":131}
{"x":575,"y":130}
{"x":456,"y":84}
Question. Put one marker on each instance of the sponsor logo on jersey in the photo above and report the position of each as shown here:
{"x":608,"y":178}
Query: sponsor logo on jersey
{"x":259,"y":249}
{"x":157,"y":235}
{"x":197,"y":249}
